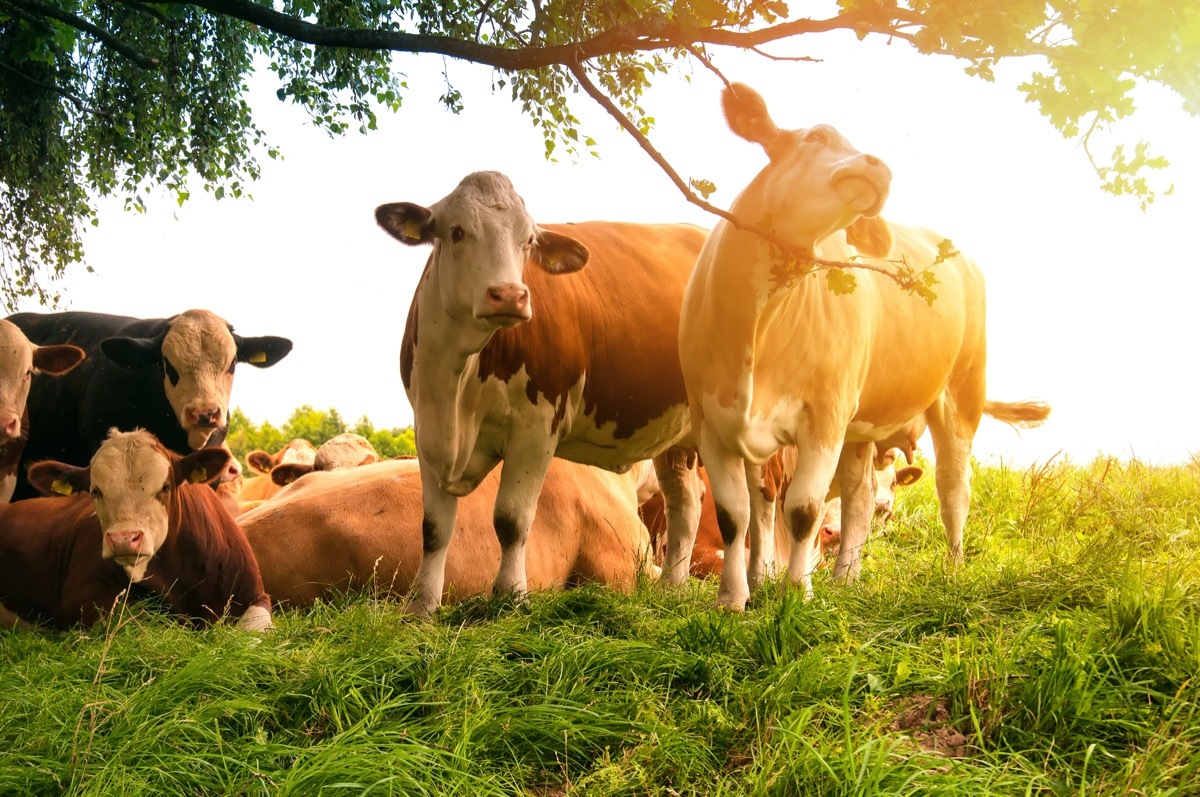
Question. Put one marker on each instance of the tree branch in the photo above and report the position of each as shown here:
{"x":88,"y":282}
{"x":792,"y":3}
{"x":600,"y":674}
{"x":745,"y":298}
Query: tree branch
{"x":80,"y":24}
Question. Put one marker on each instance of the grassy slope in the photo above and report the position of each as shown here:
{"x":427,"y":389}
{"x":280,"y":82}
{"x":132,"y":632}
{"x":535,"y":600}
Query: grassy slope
{"x":1062,"y":659}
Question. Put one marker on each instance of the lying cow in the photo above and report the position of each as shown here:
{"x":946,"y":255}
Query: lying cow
{"x":169,"y":376}
{"x":20,"y":360}
{"x":138,"y":518}
{"x":872,"y":361}
{"x":514,"y":351}
{"x":261,"y":487}
{"x":358,"y":529}
{"x":346,"y":450}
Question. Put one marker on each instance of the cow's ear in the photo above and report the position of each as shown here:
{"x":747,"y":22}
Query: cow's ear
{"x":133,"y":353}
{"x":57,"y":359}
{"x":202,"y":466}
{"x":58,"y":478}
{"x":870,"y":236}
{"x":286,"y":473}
{"x":262,"y":352}
{"x":556,"y":253}
{"x":407,"y":223}
{"x":259,"y":461}
{"x":908,"y":475}
{"x":746,"y":113}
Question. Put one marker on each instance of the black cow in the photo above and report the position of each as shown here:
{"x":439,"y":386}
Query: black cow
{"x":169,"y":376}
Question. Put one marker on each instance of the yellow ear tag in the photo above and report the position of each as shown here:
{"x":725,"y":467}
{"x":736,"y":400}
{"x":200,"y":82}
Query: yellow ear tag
{"x":412,"y":230}
{"x":198,"y":475}
{"x":552,"y":261}
{"x":257,"y":357}
{"x":62,"y":487}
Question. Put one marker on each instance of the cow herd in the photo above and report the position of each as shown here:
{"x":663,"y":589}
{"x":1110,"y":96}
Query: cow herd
{"x":601,"y":362}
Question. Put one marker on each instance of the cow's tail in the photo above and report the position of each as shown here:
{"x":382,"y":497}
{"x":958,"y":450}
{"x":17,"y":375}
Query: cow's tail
{"x":1023,"y":414}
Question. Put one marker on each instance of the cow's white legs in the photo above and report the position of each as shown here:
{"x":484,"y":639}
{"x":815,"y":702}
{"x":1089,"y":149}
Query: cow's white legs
{"x":437,"y":527}
{"x":256,"y":618}
{"x":761,"y":531}
{"x":727,"y":476}
{"x":680,"y":483}
{"x":521,"y":480}
{"x":804,"y":507}
{"x":855,"y":481}
{"x":952,"y":451}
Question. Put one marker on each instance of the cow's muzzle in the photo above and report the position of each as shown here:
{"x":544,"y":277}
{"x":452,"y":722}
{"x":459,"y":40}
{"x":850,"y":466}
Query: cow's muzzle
{"x":507,"y":304}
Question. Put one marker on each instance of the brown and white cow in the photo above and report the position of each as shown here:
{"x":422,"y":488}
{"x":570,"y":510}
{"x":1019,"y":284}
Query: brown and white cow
{"x":514,"y":351}
{"x":19,"y":361}
{"x":346,"y":450}
{"x":771,"y":358}
{"x":138,"y":518}
{"x":261,"y":487}
{"x":354,"y":529}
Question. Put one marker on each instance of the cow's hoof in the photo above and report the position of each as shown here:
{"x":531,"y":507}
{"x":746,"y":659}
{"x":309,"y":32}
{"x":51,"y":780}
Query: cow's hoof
{"x":417,"y":608}
{"x":732,"y":604}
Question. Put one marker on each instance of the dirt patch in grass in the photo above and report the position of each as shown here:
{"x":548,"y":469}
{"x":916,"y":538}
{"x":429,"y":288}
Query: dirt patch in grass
{"x":927,"y":723}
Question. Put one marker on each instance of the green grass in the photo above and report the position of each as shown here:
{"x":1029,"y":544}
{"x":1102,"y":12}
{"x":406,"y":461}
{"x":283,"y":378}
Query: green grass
{"x":1061,"y":659}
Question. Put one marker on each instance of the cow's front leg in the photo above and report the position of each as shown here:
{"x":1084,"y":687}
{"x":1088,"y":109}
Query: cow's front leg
{"x":679,"y":481}
{"x":803,"y":508}
{"x":855,"y":473}
{"x":521,"y":478}
{"x":437,"y":527}
{"x":762,"y":528}
{"x":727,"y":477}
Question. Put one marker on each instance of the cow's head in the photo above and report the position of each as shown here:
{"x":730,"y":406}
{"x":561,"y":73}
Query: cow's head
{"x":197,"y":353}
{"x":133,"y":482}
{"x":888,"y":479}
{"x":347,"y":450}
{"x":19,"y":361}
{"x":816,"y":183}
{"x":482,"y":238}
{"x":298,"y":451}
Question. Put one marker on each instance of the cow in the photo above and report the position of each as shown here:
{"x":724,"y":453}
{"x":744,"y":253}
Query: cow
{"x":138,"y":518}
{"x":298,"y":450}
{"x":708,"y":552}
{"x":169,"y":376}
{"x":20,"y":360}
{"x":346,"y":450}
{"x":590,"y":375}
{"x":772,"y":356}
{"x":355,"y":529}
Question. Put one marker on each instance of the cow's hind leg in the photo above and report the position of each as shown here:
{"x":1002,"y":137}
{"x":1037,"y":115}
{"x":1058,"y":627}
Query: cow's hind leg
{"x":680,"y":483}
{"x":762,"y":529}
{"x":855,"y":482}
{"x":521,"y":479}
{"x":953,"y":434}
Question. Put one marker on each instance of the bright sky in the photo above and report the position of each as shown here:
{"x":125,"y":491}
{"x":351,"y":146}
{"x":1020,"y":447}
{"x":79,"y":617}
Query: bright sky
{"x":1090,"y":301}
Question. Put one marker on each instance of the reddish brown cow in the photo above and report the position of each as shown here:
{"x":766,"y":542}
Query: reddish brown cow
{"x":138,"y":518}
{"x":359,"y":528}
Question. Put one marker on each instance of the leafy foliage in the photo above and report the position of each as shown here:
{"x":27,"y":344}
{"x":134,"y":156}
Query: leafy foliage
{"x":315,"y":426}
{"x":103,"y":98}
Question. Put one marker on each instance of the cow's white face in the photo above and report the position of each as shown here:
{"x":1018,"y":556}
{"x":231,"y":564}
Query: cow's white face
{"x":132,"y":480}
{"x":198,"y":355}
{"x":816,"y":183}
{"x":482,"y":238}
{"x":19,"y":360}
{"x":347,"y":450}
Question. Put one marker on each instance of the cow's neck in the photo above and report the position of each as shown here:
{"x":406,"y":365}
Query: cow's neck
{"x":446,"y":391}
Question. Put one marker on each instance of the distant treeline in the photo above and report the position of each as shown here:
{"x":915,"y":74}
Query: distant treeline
{"x":313,"y":425}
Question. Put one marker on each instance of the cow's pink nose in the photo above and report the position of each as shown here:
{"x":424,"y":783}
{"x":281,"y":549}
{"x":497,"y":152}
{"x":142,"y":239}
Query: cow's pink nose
{"x":509,"y":298}
{"x":125,"y":542}
{"x":11,"y":427}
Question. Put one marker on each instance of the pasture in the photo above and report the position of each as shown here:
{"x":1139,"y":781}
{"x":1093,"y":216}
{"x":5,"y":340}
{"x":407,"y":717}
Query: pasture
{"x":1061,"y":659}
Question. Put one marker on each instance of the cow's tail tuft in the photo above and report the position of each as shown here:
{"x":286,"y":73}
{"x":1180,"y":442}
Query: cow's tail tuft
{"x":1023,"y":414}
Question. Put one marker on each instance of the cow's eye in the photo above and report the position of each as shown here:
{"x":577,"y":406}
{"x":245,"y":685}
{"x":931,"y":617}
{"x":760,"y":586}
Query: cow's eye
{"x":172,"y":374}
{"x":232,"y":365}
{"x":532,"y":240}
{"x":457,"y":234}
{"x":29,"y":374}
{"x":166,"y":488}
{"x":96,"y":494}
